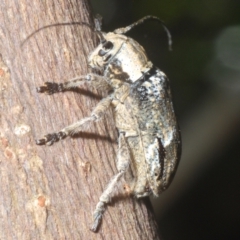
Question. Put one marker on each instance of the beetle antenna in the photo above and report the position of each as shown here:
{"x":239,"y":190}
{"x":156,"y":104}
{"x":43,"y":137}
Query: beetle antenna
{"x":98,"y":22}
{"x":54,"y":25}
{"x":100,"y":36}
{"x":142,"y":20}
{"x":98,"y":27}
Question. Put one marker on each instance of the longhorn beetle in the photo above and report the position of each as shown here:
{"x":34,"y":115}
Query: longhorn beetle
{"x":149,"y":138}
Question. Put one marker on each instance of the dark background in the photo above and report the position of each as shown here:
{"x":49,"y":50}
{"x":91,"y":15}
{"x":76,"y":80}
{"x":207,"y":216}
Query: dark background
{"x":204,"y":70}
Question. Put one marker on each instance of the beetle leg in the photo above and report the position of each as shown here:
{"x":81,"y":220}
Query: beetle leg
{"x":92,"y":79}
{"x":105,"y":198}
{"x":79,"y":126}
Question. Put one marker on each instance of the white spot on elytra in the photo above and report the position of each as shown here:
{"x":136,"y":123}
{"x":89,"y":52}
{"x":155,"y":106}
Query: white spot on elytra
{"x":21,"y":129}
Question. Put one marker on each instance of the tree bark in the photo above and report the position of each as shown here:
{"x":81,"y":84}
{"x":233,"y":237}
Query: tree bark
{"x":51,"y":192}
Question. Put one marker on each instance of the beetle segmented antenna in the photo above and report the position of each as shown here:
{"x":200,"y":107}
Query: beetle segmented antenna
{"x":124,"y":30}
{"x":54,"y":25}
{"x":98,"y":22}
{"x":98,"y":27}
{"x":101,"y":37}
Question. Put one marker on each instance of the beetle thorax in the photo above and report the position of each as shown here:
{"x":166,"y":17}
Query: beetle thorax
{"x":129,"y":56}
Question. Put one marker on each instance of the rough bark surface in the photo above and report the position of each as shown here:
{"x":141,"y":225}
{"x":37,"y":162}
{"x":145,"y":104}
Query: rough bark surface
{"x":51,"y":192}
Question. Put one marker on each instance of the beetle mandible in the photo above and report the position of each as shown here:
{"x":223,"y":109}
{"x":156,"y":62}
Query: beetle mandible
{"x":149,"y":137}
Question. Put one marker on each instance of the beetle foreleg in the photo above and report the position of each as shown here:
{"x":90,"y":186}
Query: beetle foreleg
{"x":92,"y":79}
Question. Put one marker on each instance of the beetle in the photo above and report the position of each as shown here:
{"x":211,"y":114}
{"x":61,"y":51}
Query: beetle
{"x":148,"y":134}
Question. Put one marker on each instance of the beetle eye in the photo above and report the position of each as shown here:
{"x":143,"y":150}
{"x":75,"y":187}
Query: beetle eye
{"x":101,"y":52}
{"x":108,"y":45}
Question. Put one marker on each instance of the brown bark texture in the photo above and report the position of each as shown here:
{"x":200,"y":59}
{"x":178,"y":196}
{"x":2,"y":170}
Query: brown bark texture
{"x":50,"y":192}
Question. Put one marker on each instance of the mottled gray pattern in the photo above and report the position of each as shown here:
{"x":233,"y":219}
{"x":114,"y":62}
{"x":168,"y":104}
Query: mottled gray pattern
{"x":149,"y":137}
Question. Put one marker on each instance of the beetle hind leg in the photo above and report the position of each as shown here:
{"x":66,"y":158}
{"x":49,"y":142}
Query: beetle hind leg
{"x":104,"y":200}
{"x":123,"y":162}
